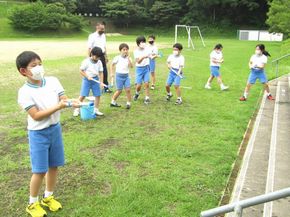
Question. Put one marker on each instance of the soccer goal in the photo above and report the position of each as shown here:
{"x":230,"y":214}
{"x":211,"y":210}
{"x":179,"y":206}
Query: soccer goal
{"x":189,"y":31}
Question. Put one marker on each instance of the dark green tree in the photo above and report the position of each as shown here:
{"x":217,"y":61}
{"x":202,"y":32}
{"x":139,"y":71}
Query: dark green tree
{"x":279,"y":17}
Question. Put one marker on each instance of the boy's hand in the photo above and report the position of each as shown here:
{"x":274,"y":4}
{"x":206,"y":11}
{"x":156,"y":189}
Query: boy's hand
{"x":102,"y":85}
{"x":62,"y":104}
{"x":90,"y":78}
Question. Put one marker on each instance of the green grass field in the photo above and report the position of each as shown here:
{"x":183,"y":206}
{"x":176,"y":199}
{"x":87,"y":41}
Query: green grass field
{"x":157,"y":160}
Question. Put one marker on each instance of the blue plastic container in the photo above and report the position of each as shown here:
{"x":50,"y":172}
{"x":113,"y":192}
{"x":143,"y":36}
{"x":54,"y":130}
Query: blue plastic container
{"x":87,"y":112}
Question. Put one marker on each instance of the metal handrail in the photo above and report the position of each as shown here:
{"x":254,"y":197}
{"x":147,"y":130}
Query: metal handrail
{"x":238,"y":207}
{"x":277,"y":63}
{"x":280,"y":58}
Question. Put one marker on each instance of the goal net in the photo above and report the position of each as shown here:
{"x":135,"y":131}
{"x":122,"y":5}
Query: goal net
{"x":188,"y":33}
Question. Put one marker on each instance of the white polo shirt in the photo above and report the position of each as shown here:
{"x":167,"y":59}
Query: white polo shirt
{"x":176,"y":62}
{"x":91,"y":68}
{"x":122,"y":64}
{"x":43,"y":97}
{"x":97,"y":40}
{"x":258,"y":60}
{"x":217,"y":56}
{"x":140,"y":53}
{"x":153,"y":49}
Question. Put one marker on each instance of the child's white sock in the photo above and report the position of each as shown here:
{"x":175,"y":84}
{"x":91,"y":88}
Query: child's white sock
{"x":47,"y":193}
{"x":245,"y":94}
{"x":137,"y":92}
{"x":113,"y":102}
{"x":222,"y":85}
{"x":146,"y":97}
{"x":179,"y":98}
{"x":33,"y":200}
{"x":268,"y":94}
{"x":128,"y":103}
{"x":169,"y":94}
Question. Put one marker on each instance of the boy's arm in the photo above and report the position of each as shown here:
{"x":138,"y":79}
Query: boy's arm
{"x":130,"y":62}
{"x":112,"y":69}
{"x":101,"y":77}
{"x":40,"y":115}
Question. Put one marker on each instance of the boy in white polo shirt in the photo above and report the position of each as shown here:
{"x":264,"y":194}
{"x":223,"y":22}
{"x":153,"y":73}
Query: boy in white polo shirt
{"x":122,"y":63}
{"x":141,"y":56}
{"x":154,"y":54}
{"x":42,"y":98}
{"x":92,"y":69}
{"x":216,"y":59}
{"x":175,"y":64}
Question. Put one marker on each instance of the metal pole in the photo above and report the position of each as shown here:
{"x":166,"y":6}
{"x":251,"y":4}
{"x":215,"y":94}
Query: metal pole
{"x":188,"y":41}
{"x":238,"y":211}
{"x":277,"y":68}
{"x":200,"y":36}
{"x":247,"y":203}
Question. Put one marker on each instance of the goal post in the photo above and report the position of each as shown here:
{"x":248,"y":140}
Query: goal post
{"x":189,"y":34}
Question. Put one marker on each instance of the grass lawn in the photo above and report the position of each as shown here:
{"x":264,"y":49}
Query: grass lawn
{"x":157,"y":160}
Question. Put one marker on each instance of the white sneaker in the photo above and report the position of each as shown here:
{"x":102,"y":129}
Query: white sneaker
{"x":76,"y":112}
{"x":207,"y":87}
{"x":224,"y":87}
{"x":97,"y":112}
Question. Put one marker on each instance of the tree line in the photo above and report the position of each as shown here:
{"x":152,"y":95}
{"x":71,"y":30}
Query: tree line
{"x":256,"y":13}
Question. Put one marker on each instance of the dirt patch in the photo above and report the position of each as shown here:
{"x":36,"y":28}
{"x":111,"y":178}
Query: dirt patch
{"x":55,"y":49}
{"x":101,"y":150}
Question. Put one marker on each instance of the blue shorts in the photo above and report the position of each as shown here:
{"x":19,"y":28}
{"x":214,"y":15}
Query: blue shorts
{"x":142,"y":74}
{"x":122,"y":81}
{"x":257,"y":74}
{"x":215,"y":71}
{"x":152,"y":65}
{"x":46,"y":148}
{"x":88,"y":85}
{"x":173,"y":78}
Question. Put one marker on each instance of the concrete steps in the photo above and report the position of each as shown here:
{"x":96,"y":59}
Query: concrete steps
{"x":266,"y":163}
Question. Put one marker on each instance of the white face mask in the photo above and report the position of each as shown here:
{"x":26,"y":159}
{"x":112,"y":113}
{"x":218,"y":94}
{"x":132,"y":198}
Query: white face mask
{"x":142,"y":45}
{"x":175,"y":53}
{"x":37,"y":72}
{"x":258,"y":52}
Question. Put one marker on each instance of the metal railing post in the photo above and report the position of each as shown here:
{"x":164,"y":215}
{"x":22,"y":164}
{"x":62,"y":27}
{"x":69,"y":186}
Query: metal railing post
{"x":238,"y":211}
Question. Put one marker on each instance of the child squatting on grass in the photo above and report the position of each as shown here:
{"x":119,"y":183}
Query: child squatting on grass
{"x":216,"y":59}
{"x":92,"y":71}
{"x":42,"y":98}
{"x":122,"y":63}
{"x":175,"y":64}
{"x":257,"y":65}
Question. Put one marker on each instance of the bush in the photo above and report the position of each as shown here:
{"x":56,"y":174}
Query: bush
{"x":40,"y":16}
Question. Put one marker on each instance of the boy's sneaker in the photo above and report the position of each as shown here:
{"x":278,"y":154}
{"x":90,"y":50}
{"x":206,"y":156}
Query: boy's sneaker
{"x":152,"y":87}
{"x":243,"y":98}
{"x":107,"y":90}
{"x":207,"y":87}
{"x":115,"y":105}
{"x":128,"y":106}
{"x":147,"y":101}
{"x":97,"y":112}
{"x":270,"y":97}
{"x":76,"y":112}
{"x":178,"y":102}
{"x":136,"y":96}
{"x":51,"y":203}
{"x":224,"y":87}
{"x":35,"y":210}
{"x":168,"y":97}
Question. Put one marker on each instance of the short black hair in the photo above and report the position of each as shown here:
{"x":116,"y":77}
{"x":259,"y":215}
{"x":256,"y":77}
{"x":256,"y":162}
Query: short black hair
{"x":96,"y":51}
{"x":101,"y":23}
{"x":178,"y":46}
{"x":121,"y":46}
{"x":218,"y":46}
{"x":152,"y":36}
{"x":140,"y":39}
{"x":23,"y":59}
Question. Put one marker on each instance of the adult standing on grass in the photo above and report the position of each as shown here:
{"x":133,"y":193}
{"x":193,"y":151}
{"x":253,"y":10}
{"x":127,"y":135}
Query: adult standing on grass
{"x":98,"y":39}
